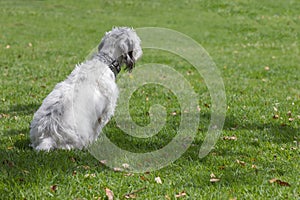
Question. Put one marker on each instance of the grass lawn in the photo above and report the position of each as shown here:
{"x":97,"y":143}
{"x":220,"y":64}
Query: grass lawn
{"x":255,"y":45}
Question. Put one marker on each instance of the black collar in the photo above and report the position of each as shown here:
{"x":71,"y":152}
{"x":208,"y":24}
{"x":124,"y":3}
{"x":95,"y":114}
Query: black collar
{"x":115,"y":67}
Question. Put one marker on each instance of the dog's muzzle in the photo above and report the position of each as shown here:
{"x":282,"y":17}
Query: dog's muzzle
{"x":129,"y":61}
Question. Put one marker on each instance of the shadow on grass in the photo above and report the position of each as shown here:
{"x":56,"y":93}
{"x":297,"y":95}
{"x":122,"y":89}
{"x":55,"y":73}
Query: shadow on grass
{"x":22,"y":164}
{"x":21,"y":109}
{"x":274,"y":132}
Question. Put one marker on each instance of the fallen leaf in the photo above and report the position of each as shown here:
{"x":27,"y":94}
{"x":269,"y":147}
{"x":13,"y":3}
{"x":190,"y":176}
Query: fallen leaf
{"x":275,"y":116}
{"x":117,"y":169}
{"x":180,"y":194}
{"x":158,"y":180}
{"x":8,"y":46}
{"x":291,"y":119}
{"x":289,"y":113}
{"x":90,"y":175}
{"x":167,"y":197}
{"x":109,"y":194}
{"x":212,"y":175}
{"x":281,"y":183}
{"x":125,"y":166}
{"x":241,"y":162}
{"x":253,"y":166}
{"x":86,"y":167}
{"x":103,"y":162}
{"x":267,"y":68}
{"x":229,"y":138}
{"x":53,"y":188}
{"x":129,"y":174}
{"x":275,"y":109}
{"x":74,"y":173}
{"x":73,"y":159}
{"x":214,"y":180}
{"x":273,"y":180}
{"x":132,"y":195}
{"x":143,"y":178}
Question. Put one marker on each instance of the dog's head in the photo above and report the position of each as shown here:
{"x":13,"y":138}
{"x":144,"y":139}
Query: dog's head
{"x":124,"y":45}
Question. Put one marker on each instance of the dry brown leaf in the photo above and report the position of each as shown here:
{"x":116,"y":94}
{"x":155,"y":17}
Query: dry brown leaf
{"x":130,"y":196}
{"x":53,"y":188}
{"x":291,"y":119}
{"x":214,"y":180}
{"x":86,"y":167}
{"x":230,"y":138}
{"x":275,"y":116}
{"x":158,"y":180}
{"x":241,"y":162}
{"x":117,"y":169}
{"x":125,"y":165}
{"x":73,"y":159}
{"x":143,"y":178}
{"x":129,"y":174}
{"x":273,"y":180}
{"x":133,"y":195}
{"x":109,"y":194}
{"x":180,"y":194}
{"x":103,"y":162}
{"x":282,"y":183}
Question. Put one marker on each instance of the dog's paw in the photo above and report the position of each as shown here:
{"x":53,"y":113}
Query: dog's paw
{"x":47,"y":144}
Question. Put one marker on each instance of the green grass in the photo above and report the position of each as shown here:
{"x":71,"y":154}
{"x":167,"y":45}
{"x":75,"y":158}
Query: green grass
{"x":47,"y":38}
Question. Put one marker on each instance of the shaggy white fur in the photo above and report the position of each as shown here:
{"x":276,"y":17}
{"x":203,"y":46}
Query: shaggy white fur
{"x":74,"y":113}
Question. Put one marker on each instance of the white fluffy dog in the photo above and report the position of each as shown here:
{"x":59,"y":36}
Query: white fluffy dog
{"x":74,"y":113}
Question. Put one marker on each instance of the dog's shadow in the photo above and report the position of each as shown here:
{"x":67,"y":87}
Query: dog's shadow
{"x":21,"y":164}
